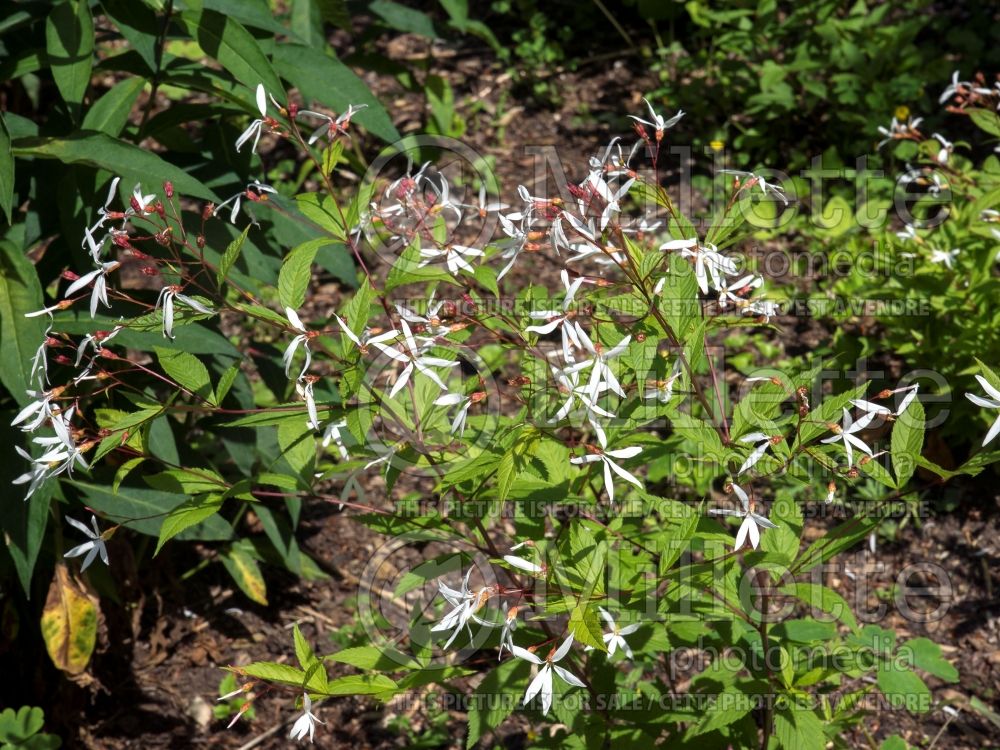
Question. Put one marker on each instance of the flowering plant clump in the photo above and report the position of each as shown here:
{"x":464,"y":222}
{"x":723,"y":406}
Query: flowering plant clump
{"x":591,"y":487}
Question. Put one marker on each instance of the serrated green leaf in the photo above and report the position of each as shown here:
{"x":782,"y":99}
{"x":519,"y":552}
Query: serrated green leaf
{"x":362,"y":684}
{"x":187,"y":370}
{"x":283,"y":674}
{"x":907,"y":441}
{"x":184,"y":516}
{"x":296,"y":273}
{"x":925,"y":655}
{"x":825,"y":599}
{"x":230,"y":257}
{"x":384,"y":659}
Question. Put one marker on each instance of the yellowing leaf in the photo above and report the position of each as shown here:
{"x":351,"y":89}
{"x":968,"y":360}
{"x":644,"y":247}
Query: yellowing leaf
{"x":69,"y":622}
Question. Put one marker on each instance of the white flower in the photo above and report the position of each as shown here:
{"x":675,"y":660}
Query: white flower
{"x":615,"y":640}
{"x":100,"y":292}
{"x":610,"y":198}
{"x":568,"y":383}
{"x":40,"y":362}
{"x":464,"y":604}
{"x":845,"y":432}
{"x":756,"y":179}
{"x":166,"y":300}
{"x":945,"y":256}
{"x":911,"y":393}
{"x":482,"y":207}
{"x":561,"y":319}
{"x":507,"y":630}
{"x":521,"y":564}
{"x":663,"y":390}
{"x":40,"y":408}
{"x":876,"y":410}
{"x":254,"y":128}
{"x":253,"y":191}
{"x":306,"y":723}
{"x":453,"y":399}
{"x":946,"y":148}
{"x":414,"y":360}
{"x":304,"y":387}
{"x":103,"y":215}
{"x":749,"y":528}
{"x":518,"y":238}
{"x":763,"y":442}
{"x":332,"y":434}
{"x":602,"y":377}
{"x":455,"y":257}
{"x":610,"y":467}
{"x":542,"y":684}
{"x":987,"y":403}
{"x":736,"y":292}
{"x":898,"y":130}
{"x":709,"y":263}
{"x":301,"y":339}
{"x":656,"y":121}
{"x":91,"y":548}
{"x":331,"y":127}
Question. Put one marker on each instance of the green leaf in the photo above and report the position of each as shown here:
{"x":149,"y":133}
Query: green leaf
{"x":298,"y":446}
{"x":230,"y":256}
{"x":226,"y":381}
{"x":184,"y":516}
{"x":124,"y":470}
{"x":100,"y":150}
{"x":401,"y":18}
{"x":187,"y":481}
{"x":903,"y":688}
{"x":362,"y":684}
{"x":506,"y":472}
{"x":322,"y":78}
{"x":586,"y":627}
{"x":109,"y":114}
{"x":22,"y":524}
{"x":283,"y":674}
{"x":296,"y":273}
{"x":895,"y":742}
{"x":143,"y":510}
{"x":496,"y":698}
{"x":20,"y":293}
{"x":925,"y":655}
{"x":700,"y":433}
{"x":985,"y":119}
{"x":6,"y":172}
{"x":69,"y":45}
{"x":907,"y":442}
{"x":384,"y":659}
{"x":825,"y":599}
{"x":187,"y":370}
{"x":226,"y":40}
{"x":799,"y":727}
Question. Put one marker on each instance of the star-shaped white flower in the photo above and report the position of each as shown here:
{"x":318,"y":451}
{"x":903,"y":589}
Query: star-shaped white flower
{"x":610,"y":467}
{"x":542,"y":684}
{"x":92,"y":548}
{"x":254,"y":128}
{"x":845,"y":432}
{"x":751,"y":520}
{"x":987,"y":403}
{"x":615,"y":639}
